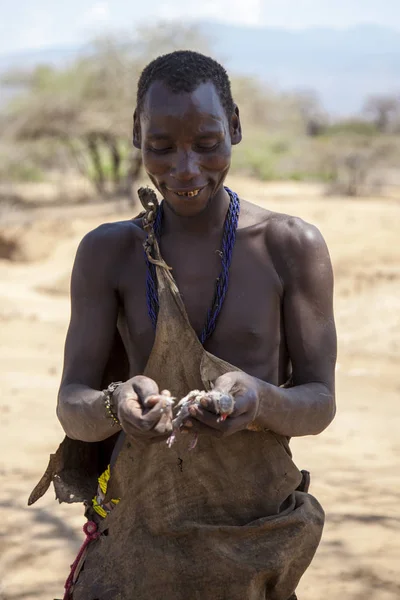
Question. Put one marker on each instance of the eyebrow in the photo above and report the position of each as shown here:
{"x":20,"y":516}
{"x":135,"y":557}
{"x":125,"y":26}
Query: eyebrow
{"x":158,"y":136}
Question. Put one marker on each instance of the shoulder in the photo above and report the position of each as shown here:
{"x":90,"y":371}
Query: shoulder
{"x":293,"y":235}
{"x":297,"y":249}
{"x":102,"y":252}
{"x":284,"y":233}
{"x":252,"y":215}
{"x":109,"y":239}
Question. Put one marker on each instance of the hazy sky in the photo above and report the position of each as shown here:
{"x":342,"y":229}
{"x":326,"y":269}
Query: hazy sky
{"x":28,"y":24}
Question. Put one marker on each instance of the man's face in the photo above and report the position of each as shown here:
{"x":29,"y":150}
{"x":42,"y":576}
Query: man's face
{"x":186,"y":142}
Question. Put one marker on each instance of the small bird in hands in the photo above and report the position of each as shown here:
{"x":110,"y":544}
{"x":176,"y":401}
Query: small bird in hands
{"x":223,"y":405}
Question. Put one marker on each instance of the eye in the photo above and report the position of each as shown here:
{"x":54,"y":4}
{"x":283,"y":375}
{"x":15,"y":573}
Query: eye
{"x":159,"y":146}
{"x":207,"y":146}
{"x":160,"y":150}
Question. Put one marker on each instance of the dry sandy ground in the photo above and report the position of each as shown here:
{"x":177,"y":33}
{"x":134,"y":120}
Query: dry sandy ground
{"x":354,"y":464}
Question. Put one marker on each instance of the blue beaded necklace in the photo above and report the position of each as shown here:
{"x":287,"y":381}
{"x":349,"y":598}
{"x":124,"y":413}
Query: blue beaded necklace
{"x":221,"y":286}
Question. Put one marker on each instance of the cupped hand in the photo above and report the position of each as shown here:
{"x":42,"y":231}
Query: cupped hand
{"x":245,"y":391}
{"x":142,"y":410}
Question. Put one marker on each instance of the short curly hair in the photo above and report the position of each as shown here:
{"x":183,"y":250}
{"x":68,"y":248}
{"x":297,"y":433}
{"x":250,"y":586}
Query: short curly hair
{"x":183,"y":71}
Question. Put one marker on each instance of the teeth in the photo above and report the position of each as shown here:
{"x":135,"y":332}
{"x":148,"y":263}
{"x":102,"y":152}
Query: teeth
{"x":189,"y":194}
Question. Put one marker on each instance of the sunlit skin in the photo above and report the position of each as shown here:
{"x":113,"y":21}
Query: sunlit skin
{"x":186,"y":145}
{"x":277,"y":316}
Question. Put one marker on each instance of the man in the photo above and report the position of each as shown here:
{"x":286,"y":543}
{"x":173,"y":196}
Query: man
{"x":243,"y":531}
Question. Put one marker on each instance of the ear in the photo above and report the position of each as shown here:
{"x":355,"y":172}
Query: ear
{"x":137,"y":138}
{"x":235,"y":127}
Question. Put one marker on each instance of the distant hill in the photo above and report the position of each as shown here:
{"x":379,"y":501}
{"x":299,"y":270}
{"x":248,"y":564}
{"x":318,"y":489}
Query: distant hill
{"x":30,"y":58}
{"x":343,"y":66}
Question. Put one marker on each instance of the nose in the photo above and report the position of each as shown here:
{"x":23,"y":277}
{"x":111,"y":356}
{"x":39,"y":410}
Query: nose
{"x":185,"y":167}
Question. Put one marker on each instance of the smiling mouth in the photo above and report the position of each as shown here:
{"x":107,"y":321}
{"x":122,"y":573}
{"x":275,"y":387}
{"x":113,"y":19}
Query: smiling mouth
{"x":189,"y":193}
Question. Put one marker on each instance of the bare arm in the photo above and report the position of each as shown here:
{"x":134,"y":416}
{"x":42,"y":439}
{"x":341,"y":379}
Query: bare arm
{"x":307,"y":408}
{"x":141,"y":410}
{"x":89,"y":340}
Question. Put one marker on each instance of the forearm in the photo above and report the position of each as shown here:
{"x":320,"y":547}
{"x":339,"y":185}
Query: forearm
{"x":300,"y":410}
{"x":82,"y":414}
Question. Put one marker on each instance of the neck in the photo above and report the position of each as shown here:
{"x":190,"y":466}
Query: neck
{"x":210,"y":219}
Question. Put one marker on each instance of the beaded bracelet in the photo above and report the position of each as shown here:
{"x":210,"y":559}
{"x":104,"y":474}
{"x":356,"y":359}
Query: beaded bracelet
{"x":108,"y":402}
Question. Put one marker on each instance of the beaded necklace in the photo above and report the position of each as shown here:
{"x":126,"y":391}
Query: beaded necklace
{"x":221,"y":286}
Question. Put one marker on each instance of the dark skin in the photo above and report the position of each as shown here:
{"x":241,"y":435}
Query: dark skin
{"x":278,"y":310}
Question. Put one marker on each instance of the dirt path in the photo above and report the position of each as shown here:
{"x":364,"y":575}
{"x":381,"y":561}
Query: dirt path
{"x":354,"y":464}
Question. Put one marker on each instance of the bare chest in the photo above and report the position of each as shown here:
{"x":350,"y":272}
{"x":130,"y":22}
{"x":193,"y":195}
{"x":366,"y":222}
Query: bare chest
{"x":249,"y":329}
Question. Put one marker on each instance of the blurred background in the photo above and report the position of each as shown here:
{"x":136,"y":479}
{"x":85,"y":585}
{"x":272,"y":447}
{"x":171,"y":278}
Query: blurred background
{"x":319,"y":91}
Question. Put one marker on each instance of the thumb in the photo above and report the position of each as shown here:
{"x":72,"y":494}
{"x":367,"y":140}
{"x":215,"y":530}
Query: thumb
{"x":144,"y":387}
{"x":225,"y":383}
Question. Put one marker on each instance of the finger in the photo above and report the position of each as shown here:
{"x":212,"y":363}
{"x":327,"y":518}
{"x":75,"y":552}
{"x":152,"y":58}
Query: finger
{"x":208,"y":404}
{"x":143,"y":422}
{"x":195,"y":427}
{"x":149,"y":429}
{"x":214,"y":421}
{"x":225,"y":383}
{"x":221,"y":429}
{"x":131,"y":414}
{"x":164,"y":393}
{"x":204,"y":416}
{"x":134,"y":423}
{"x":128,"y":405}
{"x":152,"y":400}
{"x":231,"y":425}
{"x":155,"y":413}
{"x":241,"y":406}
{"x":144,"y":387}
{"x":164,"y":425}
{"x":125,"y":392}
